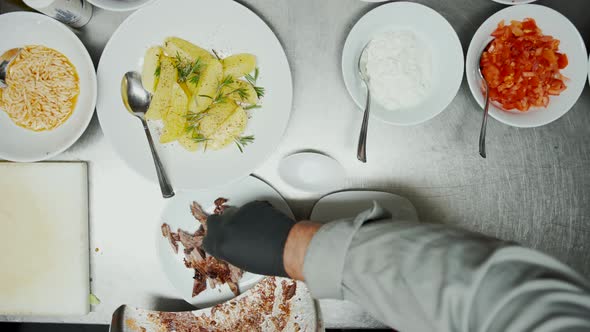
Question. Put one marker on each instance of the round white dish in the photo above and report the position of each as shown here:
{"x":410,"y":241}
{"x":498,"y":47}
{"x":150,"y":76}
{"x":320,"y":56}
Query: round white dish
{"x":228,"y":27}
{"x":514,"y":2}
{"x":434,"y":31}
{"x":552,"y":23}
{"x":120,"y":6}
{"x":19,"y":144}
{"x":312,"y":172}
{"x":177,"y":214}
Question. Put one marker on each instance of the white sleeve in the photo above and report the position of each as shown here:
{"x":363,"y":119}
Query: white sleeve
{"x":424,"y":277}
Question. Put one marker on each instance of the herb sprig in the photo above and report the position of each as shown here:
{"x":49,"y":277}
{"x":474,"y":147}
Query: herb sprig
{"x":187,"y":70}
{"x":252,"y":80}
{"x":242,"y":141}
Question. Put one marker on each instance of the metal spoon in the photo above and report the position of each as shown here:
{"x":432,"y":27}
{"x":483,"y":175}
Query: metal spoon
{"x":5,"y":60}
{"x":137,"y":101}
{"x":361,"y":153}
{"x":484,"y":123}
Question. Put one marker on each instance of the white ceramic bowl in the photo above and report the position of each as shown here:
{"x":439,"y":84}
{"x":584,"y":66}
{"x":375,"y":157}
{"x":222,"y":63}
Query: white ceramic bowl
{"x":434,"y":31}
{"x":19,"y":144}
{"x":120,"y":5}
{"x":552,"y":23}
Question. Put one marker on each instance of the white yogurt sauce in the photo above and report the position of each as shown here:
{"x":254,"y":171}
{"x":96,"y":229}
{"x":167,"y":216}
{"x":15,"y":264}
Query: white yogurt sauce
{"x":399,"y":69}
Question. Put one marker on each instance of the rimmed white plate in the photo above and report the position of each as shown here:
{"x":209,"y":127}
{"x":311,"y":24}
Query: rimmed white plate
{"x":225,"y":26}
{"x":120,"y":6}
{"x":552,"y":23}
{"x":19,"y":144}
{"x":434,"y":31}
{"x":177,"y":214}
{"x":514,"y":2}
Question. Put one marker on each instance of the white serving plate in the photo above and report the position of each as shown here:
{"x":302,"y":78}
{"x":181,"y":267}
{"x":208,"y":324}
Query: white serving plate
{"x":227,"y":27}
{"x":177,"y":214}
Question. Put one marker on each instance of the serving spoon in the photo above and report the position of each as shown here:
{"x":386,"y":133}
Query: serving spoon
{"x":137,"y":101}
{"x":361,"y":153}
{"x":5,"y":60}
{"x":484,"y":122}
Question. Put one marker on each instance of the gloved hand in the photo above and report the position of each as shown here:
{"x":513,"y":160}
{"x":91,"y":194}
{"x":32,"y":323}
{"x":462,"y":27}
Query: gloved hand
{"x":252,"y":237}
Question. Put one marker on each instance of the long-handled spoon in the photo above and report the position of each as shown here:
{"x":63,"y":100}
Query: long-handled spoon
{"x":137,"y":101}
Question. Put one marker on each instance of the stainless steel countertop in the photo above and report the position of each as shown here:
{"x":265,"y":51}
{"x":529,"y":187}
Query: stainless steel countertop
{"x":534,"y":187}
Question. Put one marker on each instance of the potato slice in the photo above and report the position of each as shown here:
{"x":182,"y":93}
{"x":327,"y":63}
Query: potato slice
{"x":215,"y":117}
{"x":151,"y":64}
{"x":188,"y":143}
{"x":162,"y":97}
{"x":207,"y":86}
{"x":231,"y":129}
{"x":187,"y":50}
{"x":239,"y":65}
{"x":248,"y":96}
{"x":175,"y":120}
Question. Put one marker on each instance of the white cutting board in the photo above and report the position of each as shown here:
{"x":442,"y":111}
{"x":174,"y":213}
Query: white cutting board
{"x":44,"y":267}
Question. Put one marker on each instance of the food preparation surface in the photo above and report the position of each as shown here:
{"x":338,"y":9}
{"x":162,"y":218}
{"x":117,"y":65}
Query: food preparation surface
{"x":534,"y":187}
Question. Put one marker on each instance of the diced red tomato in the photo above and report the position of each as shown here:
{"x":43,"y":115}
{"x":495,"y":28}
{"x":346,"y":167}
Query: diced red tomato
{"x":522,"y":66}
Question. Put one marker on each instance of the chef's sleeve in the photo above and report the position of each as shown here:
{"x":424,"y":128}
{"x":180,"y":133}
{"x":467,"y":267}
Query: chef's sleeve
{"x":425,"y":277}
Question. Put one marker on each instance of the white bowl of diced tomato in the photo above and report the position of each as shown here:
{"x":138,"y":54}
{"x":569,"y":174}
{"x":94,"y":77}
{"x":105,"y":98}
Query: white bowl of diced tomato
{"x":535,"y":67}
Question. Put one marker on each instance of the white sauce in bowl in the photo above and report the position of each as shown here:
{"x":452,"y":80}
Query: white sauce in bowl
{"x":399,"y":68}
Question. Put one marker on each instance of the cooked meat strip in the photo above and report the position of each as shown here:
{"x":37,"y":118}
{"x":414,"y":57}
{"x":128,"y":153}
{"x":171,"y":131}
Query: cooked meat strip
{"x":169,"y":235}
{"x":200,"y":283}
{"x":220,"y":205}
{"x":206,"y":267}
{"x":233,"y":286}
{"x":199,"y":214}
{"x":289,"y":289}
{"x":190,"y":241}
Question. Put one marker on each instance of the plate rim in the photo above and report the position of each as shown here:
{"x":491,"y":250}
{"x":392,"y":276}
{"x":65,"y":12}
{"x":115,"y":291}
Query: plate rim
{"x":266,"y":156}
{"x":472,"y":49}
{"x":93,"y":88}
{"x":386,"y":6}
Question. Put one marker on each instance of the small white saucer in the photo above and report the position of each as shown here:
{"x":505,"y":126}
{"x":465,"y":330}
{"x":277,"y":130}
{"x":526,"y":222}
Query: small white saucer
{"x":312,"y":172}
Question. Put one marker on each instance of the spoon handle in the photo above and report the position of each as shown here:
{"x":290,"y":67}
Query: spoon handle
{"x":484,"y":122}
{"x":165,"y":186}
{"x":361,"y":153}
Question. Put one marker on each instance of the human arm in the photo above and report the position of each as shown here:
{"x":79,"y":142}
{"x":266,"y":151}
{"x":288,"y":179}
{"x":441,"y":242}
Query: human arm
{"x":409,"y":275}
{"x":425,"y":277}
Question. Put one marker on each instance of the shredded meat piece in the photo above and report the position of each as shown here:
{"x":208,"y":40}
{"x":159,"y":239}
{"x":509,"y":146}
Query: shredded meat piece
{"x":200,"y":283}
{"x":169,"y":235}
{"x":289,"y":289}
{"x":220,"y":205}
{"x":207,"y":268}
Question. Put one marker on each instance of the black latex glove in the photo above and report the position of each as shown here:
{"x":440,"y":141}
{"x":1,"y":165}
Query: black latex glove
{"x":252,"y":238}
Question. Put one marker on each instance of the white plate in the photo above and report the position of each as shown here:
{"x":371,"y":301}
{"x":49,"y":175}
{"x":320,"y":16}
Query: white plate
{"x":514,"y":2}
{"x":120,"y":6}
{"x":19,"y":144}
{"x":434,"y":31}
{"x":552,"y":23}
{"x":177,"y":214}
{"x":226,"y":26}
{"x":348,"y":204}
{"x":312,"y":172}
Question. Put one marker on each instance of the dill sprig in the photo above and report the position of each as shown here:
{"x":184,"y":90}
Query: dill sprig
{"x":157,"y":71}
{"x":250,"y":107}
{"x":253,"y":79}
{"x":188,"y":71}
{"x":242,"y":141}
